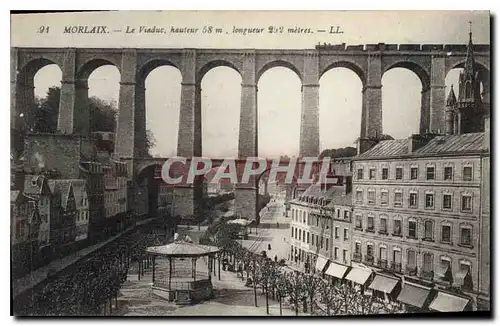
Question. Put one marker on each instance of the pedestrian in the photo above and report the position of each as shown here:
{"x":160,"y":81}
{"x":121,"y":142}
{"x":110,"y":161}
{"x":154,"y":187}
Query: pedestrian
{"x":277,"y":225}
{"x":269,"y":247}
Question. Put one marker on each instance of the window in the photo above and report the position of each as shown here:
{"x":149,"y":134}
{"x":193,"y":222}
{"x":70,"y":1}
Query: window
{"x":384,"y":198}
{"x":308,"y":237}
{"x":327,"y":247}
{"x":428,"y":262}
{"x":397,"y":227}
{"x":360,"y":174}
{"x":300,"y":235}
{"x":412,"y":259}
{"x":383,"y":225}
{"x":370,"y":226}
{"x":466,"y":235}
{"x":412,"y":229}
{"x":357,"y":248}
{"x":429,"y":201}
{"x":430,"y":173}
{"x":371,"y":196}
{"x":448,"y":173}
{"x":369,"y":250}
{"x":304,"y":235}
{"x":385,"y":173}
{"x":383,"y":253}
{"x":344,"y":255}
{"x":446,"y":201}
{"x":446,"y":233}
{"x":359,"y":223}
{"x":346,"y":214}
{"x":336,"y":232}
{"x":338,"y":213}
{"x":399,"y":173}
{"x":346,"y":234}
{"x":336,"y":253}
{"x":467,"y":203}
{"x":359,"y":195}
{"x":414,"y":173}
{"x":372,"y":174}
{"x":467,"y":173}
{"x":312,"y":239}
{"x":413,"y":200}
{"x":428,"y":230}
{"x":293,"y":232}
{"x":317,"y":241}
{"x":398,"y":199}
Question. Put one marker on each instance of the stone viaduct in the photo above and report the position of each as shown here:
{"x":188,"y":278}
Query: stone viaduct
{"x":430,"y":62}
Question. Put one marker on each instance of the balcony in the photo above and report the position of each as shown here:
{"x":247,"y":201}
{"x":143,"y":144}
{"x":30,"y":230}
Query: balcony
{"x":370,"y":229}
{"x":428,"y":239}
{"x":397,"y":234}
{"x":369,"y":260}
{"x":358,"y":228}
{"x":382,"y":232}
{"x":396,"y":267}
{"x":357,"y":256}
{"x":427,"y":275}
{"x":382,"y":263}
{"x":411,"y":271}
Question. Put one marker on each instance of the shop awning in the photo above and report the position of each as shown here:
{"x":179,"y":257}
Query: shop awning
{"x":336,"y":270}
{"x":321,"y":263}
{"x":443,"y":271}
{"x":384,"y":284}
{"x":448,"y":302}
{"x":414,"y":295}
{"x":359,"y":275}
{"x":460,"y":278}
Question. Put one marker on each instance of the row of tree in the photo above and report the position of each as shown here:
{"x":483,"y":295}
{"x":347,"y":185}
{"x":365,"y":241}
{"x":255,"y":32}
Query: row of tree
{"x":313,"y":293}
{"x":102,"y":115}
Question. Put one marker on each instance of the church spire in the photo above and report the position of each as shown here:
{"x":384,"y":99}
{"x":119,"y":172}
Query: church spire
{"x":469,"y":61}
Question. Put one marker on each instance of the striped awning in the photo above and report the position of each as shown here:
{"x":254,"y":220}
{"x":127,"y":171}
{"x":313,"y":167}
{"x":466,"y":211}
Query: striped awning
{"x":321,"y":263}
{"x":414,"y":295}
{"x":448,"y":302}
{"x":336,"y":270}
{"x":384,"y":284}
{"x":359,"y":275}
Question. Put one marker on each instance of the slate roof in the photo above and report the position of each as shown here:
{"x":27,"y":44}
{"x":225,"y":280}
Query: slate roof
{"x":61,"y":188}
{"x":14,"y":195}
{"x":79,"y":191}
{"x":34,"y":188}
{"x":394,"y":147}
{"x":473,"y":142}
{"x":335,"y":194}
{"x":450,"y":144}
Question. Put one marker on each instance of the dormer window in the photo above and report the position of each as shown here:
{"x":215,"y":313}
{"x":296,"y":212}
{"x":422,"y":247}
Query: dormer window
{"x":33,"y":182}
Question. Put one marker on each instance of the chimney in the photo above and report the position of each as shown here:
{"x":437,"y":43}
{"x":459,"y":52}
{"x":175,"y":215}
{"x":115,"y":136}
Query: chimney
{"x":365,"y":144}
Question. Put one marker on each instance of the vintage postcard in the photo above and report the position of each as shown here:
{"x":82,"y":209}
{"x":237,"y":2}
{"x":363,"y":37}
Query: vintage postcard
{"x":246,"y":163}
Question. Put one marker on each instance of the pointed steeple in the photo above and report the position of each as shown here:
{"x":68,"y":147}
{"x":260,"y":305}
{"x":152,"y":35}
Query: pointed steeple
{"x":452,"y":99}
{"x":469,"y":61}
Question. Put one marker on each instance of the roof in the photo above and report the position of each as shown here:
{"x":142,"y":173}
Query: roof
{"x":79,"y":191}
{"x":393,"y":147}
{"x":439,"y":145}
{"x":182,"y":249}
{"x":34,"y":184}
{"x":473,"y":142}
{"x":61,"y":187}
{"x":14,"y":195}
{"x":335,"y":194}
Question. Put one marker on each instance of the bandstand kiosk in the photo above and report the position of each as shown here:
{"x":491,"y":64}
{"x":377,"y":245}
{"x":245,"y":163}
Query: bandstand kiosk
{"x":175,"y":274}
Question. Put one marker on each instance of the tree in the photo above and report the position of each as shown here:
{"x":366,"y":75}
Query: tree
{"x":312,"y":285}
{"x":102,"y":115}
{"x":295,"y":288}
{"x":269,"y":272}
{"x":281,"y":289}
{"x":330,"y":298}
{"x":339,"y":152}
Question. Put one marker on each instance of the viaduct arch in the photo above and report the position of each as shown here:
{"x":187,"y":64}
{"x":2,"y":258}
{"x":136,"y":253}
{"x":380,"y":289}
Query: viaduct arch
{"x":431,"y":63}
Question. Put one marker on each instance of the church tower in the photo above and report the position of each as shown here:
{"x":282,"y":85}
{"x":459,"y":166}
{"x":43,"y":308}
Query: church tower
{"x":469,"y":104}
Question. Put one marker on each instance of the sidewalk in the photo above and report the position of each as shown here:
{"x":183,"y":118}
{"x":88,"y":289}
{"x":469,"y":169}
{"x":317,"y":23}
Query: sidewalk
{"x":39,"y":275}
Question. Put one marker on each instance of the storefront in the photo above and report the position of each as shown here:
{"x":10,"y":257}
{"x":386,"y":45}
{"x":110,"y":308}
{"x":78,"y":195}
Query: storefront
{"x":414,"y":296}
{"x":385,"y":287}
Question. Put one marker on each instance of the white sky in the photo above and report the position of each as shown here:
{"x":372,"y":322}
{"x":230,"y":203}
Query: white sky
{"x":279,"y":96}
